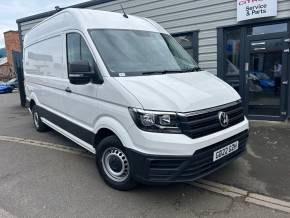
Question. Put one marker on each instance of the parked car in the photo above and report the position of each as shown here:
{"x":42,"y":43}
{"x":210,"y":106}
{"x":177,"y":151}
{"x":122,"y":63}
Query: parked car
{"x":263,"y":79}
{"x":5,"y":89}
{"x":13,"y":83}
{"x":124,"y":89}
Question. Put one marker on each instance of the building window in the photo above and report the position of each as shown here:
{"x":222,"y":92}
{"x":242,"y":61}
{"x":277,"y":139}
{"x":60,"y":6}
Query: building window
{"x":233,"y":49}
{"x":232,"y":57}
{"x":189,"y":42}
{"x":270,"y":28}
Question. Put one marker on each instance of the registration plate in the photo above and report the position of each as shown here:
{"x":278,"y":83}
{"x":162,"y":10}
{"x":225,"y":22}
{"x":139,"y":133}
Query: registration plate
{"x":225,"y":151}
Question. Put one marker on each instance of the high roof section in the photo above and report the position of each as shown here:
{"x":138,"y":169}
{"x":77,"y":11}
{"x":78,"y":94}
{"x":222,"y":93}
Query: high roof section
{"x":52,"y":12}
{"x":97,"y":19}
{"x":26,"y":23}
{"x":85,"y":19}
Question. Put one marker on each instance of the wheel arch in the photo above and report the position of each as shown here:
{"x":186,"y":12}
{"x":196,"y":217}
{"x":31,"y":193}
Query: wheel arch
{"x":31,"y":104}
{"x":101,"y":134}
{"x":32,"y":101}
{"x":107,"y":126}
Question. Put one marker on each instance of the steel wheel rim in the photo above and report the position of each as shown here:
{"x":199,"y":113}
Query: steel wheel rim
{"x":36,"y":119}
{"x":115,"y":164}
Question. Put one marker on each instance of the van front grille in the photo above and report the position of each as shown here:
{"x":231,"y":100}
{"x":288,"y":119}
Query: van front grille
{"x":204,"y":122}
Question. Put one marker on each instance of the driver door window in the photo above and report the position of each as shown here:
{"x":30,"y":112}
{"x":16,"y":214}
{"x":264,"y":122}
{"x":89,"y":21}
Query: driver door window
{"x":77,"y":50}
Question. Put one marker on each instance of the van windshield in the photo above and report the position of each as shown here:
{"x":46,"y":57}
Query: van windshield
{"x":135,"y":52}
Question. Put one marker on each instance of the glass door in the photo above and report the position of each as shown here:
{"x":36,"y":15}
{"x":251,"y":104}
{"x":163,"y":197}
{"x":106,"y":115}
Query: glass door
{"x":266,"y":77}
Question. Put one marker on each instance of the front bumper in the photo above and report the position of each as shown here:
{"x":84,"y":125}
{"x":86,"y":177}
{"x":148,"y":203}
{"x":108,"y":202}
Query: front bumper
{"x":167,"y":169}
{"x":163,"y":144}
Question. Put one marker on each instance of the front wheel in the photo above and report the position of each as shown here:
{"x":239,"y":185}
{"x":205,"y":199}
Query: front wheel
{"x":114,"y":165}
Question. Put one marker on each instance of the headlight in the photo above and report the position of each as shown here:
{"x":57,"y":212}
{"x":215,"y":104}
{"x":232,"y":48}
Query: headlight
{"x":155,"y":121}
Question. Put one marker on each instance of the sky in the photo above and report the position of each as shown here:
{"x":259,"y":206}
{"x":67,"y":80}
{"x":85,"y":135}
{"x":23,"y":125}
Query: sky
{"x":11,"y":10}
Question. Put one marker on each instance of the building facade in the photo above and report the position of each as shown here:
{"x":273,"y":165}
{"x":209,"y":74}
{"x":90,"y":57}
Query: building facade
{"x":4,"y":69}
{"x":244,"y":42}
{"x":12,"y":43}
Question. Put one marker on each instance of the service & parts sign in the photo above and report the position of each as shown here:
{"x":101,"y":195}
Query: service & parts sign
{"x":251,"y":9}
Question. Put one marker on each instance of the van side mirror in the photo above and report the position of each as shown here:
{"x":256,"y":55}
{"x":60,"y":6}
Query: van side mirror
{"x":80,"y":72}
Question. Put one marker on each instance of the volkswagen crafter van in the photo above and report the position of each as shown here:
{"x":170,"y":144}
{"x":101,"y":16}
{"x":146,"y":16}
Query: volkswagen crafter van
{"x":124,"y":89}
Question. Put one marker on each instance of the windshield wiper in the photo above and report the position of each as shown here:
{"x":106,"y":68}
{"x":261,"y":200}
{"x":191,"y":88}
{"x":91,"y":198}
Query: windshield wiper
{"x":156,"y":72}
{"x":192,"y":69}
{"x":162,"y":72}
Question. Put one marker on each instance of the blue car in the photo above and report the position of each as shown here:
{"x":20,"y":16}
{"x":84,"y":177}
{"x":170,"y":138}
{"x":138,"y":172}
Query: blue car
{"x":5,"y":89}
{"x":265,"y":81}
{"x":13,"y":83}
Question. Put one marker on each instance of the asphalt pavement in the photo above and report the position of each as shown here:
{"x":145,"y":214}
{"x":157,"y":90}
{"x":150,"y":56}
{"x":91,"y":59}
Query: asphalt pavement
{"x":39,"y":181}
{"x":265,"y":168}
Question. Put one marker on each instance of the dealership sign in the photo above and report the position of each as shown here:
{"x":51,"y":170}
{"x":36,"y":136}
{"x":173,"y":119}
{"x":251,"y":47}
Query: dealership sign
{"x":250,"y":9}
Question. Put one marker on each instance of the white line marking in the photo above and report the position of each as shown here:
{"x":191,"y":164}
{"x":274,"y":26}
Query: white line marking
{"x":216,"y":190}
{"x":267,"y":204}
{"x":224,"y":187}
{"x":47,"y":145}
{"x":253,"y":198}
{"x":269,"y":199}
{"x":215,"y":187}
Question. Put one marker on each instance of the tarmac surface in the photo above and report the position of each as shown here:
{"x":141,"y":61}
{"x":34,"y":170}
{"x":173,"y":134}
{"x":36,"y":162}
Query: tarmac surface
{"x":265,"y":168}
{"x":38,"y":181}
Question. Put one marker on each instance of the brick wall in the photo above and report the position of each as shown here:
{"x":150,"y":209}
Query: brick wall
{"x":5,"y":72}
{"x":12,"y":44}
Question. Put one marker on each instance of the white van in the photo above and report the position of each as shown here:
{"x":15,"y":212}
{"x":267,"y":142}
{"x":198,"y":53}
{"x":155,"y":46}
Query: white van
{"x":124,"y":89}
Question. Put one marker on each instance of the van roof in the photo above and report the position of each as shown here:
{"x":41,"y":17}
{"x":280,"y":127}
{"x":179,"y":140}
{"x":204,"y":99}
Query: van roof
{"x":86,"y":4}
{"x":84,"y":19}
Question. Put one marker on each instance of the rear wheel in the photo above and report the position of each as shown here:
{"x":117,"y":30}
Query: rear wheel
{"x":114,"y":165}
{"x":38,"y":124}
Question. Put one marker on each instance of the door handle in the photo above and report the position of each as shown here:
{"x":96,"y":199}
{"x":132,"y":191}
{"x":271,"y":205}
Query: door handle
{"x":258,"y":43}
{"x":285,"y":82}
{"x":68,"y":89}
{"x":247,"y":66}
{"x":259,"y":49}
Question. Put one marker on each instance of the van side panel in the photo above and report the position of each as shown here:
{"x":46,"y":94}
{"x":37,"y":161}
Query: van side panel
{"x":45,"y":73}
{"x":51,"y":26}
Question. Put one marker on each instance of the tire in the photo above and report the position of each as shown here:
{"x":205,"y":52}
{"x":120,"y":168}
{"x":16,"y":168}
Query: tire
{"x":38,"y":124}
{"x":113,"y":164}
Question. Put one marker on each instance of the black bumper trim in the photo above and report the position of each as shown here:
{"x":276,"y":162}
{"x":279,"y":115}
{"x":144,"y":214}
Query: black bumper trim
{"x":152,"y":169}
{"x":67,"y":125}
